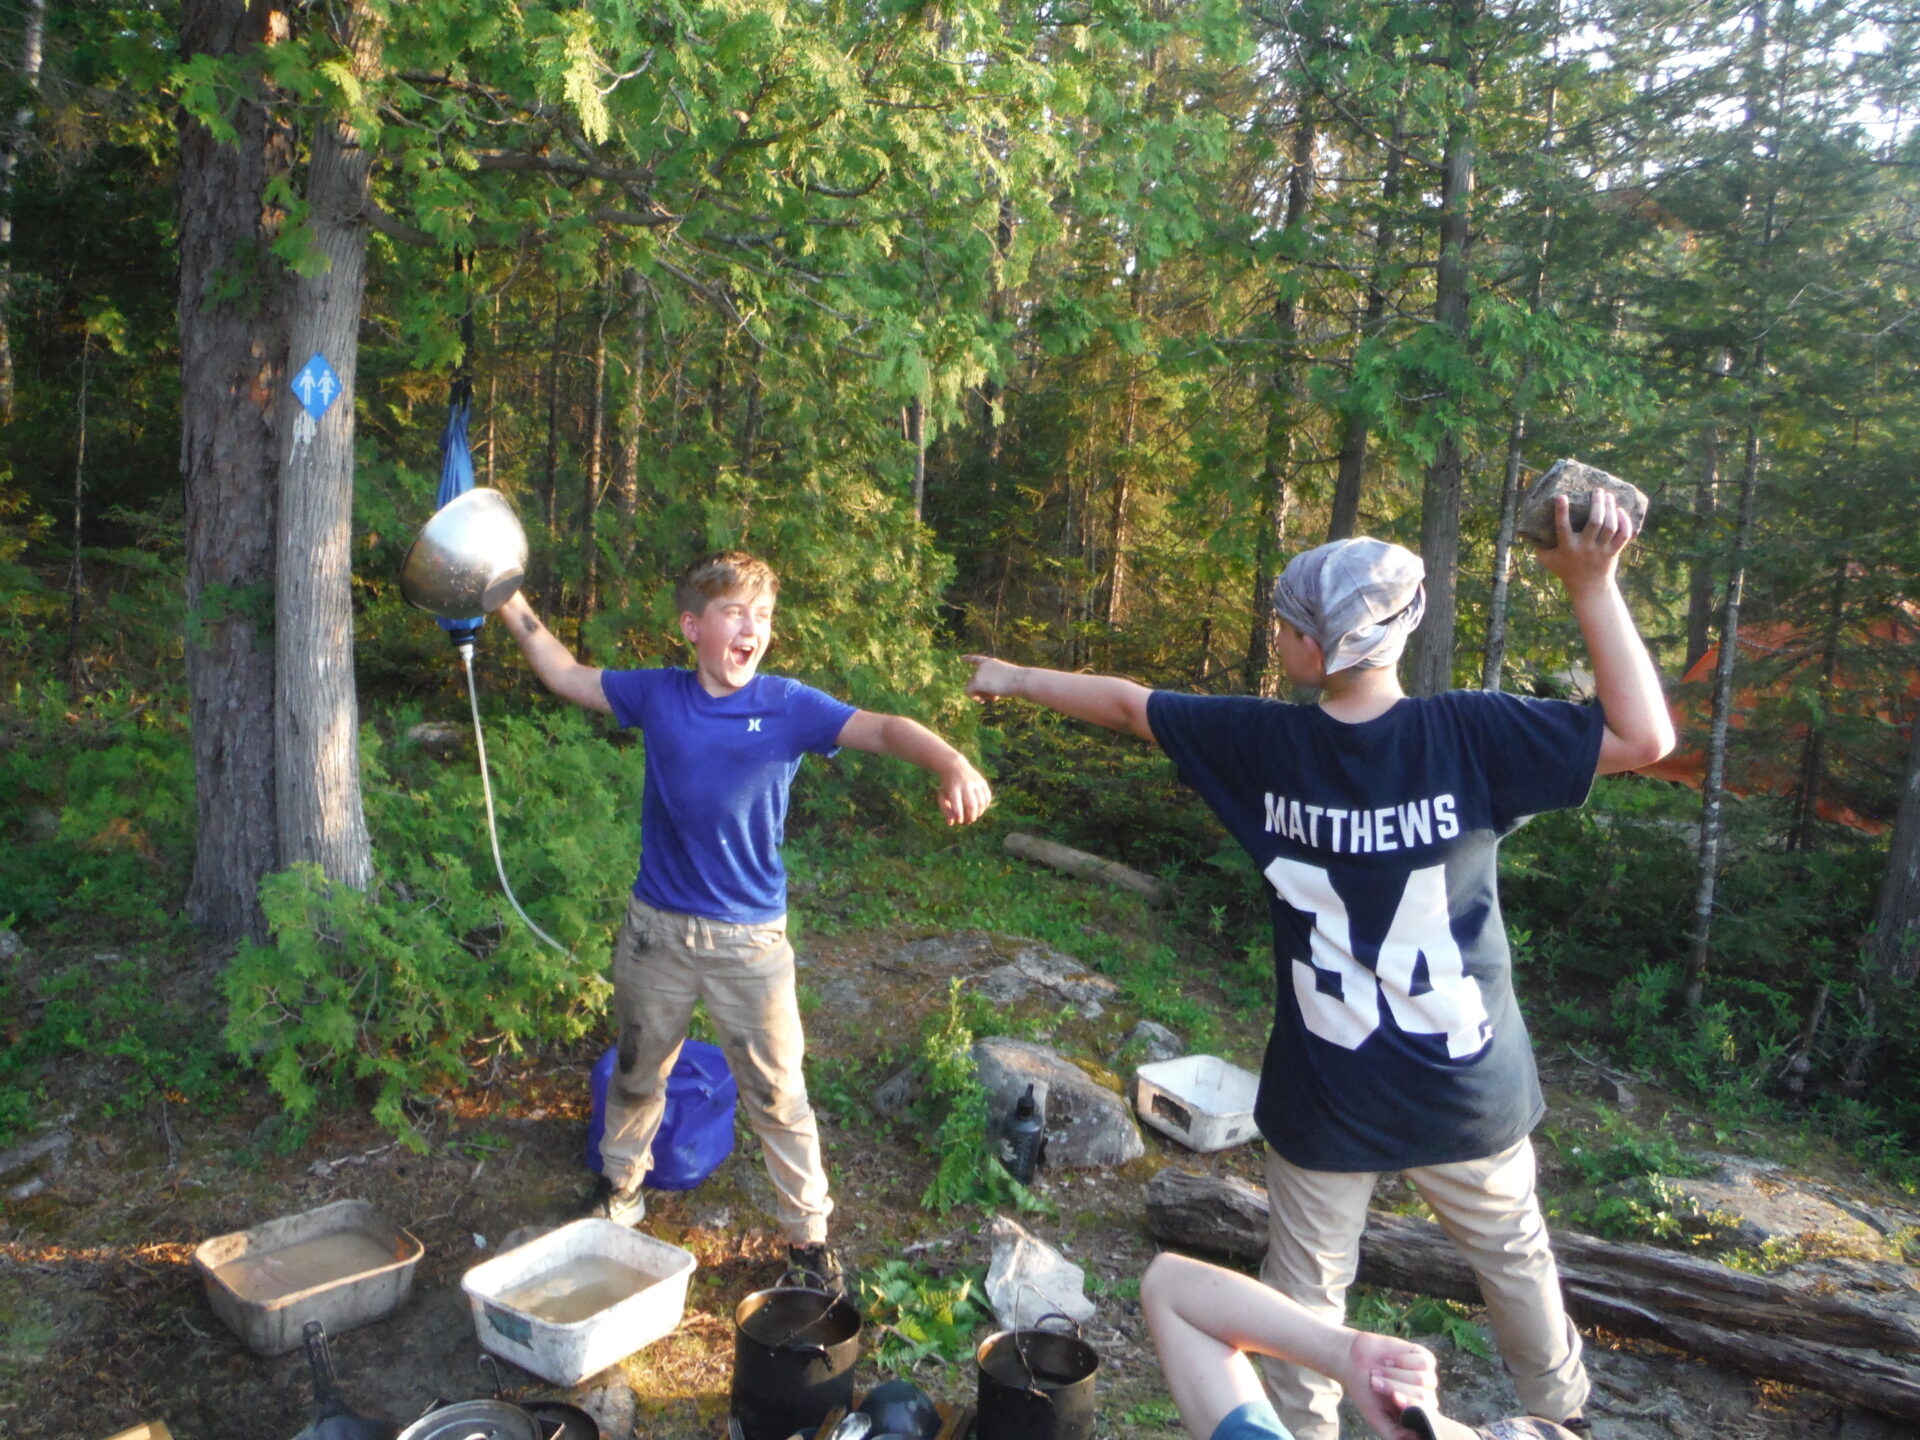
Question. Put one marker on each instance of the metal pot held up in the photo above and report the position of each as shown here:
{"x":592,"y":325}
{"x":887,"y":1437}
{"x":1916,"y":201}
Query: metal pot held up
{"x":468,"y":559}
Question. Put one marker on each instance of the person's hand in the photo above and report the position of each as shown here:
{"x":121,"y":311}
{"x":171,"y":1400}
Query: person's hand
{"x":1591,"y":554}
{"x":964,"y":793}
{"x":1384,"y":1376}
{"x":992,"y":679}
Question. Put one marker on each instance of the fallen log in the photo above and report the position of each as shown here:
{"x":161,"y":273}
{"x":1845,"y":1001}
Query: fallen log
{"x":1759,"y":1325}
{"x":1086,"y":867}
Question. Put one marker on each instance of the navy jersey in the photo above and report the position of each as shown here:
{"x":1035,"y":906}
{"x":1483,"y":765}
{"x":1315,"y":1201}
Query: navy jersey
{"x":1396,"y":1040}
{"x":719,"y":770}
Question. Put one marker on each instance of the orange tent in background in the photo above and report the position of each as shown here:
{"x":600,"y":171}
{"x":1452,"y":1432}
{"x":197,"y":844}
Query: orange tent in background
{"x":1786,"y":654}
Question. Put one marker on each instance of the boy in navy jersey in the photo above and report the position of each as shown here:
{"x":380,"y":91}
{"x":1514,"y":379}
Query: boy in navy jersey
{"x":708,"y":916}
{"x":1375,"y":817}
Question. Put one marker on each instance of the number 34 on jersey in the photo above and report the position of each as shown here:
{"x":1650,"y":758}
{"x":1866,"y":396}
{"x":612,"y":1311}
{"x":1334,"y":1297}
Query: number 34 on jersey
{"x":1418,"y":973}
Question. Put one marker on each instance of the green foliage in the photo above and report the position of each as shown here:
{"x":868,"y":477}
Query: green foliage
{"x":1385,"y":1314}
{"x":100,"y":807}
{"x":919,"y":1315}
{"x":392,"y":989}
{"x":968,"y":1172}
{"x":108,"y":1008}
{"x":1625,"y":1186}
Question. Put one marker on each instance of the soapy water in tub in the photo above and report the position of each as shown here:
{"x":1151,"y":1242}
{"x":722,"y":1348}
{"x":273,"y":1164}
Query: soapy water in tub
{"x":261,"y":1276}
{"x":582,"y":1287}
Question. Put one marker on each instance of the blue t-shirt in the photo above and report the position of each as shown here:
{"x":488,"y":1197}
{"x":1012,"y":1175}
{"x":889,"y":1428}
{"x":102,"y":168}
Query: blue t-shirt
{"x":714,"y":810}
{"x":1396,"y":1040}
{"x":1255,"y":1420}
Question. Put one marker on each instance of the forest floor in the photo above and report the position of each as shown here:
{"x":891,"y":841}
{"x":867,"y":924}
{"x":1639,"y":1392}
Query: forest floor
{"x":103,"y":1322}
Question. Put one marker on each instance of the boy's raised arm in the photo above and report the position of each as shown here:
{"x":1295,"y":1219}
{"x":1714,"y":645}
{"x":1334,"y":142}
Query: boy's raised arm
{"x":1639,"y":727}
{"x":551,"y":660}
{"x":964,"y":792}
{"x":1098,"y":699}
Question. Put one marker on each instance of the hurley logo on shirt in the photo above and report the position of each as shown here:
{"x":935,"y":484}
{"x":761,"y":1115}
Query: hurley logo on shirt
{"x":1362,"y":832}
{"x":752,"y":726}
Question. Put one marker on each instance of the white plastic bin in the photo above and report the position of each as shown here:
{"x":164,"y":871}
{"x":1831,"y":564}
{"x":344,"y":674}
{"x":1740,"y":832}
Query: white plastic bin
{"x":570,"y":1303}
{"x":1199,"y":1100}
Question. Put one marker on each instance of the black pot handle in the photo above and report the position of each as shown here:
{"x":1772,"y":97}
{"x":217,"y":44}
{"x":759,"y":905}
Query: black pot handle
{"x":1040,"y":1323}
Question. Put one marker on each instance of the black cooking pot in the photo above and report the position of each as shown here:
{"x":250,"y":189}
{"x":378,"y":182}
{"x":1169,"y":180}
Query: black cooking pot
{"x":793,"y":1354}
{"x":1036,"y":1384}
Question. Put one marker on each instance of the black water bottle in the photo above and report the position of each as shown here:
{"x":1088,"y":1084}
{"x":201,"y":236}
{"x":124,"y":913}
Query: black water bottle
{"x":1023,"y":1139}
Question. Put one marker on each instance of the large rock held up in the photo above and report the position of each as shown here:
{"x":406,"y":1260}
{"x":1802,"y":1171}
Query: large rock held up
{"x":1577,"y":482}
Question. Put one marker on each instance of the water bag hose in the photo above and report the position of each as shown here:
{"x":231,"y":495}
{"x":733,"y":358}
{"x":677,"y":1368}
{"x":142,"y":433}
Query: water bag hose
{"x":486,"y":789}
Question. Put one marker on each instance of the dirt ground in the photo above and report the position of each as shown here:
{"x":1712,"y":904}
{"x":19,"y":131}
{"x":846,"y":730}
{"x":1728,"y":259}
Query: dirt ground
{"x":103,"y":1322}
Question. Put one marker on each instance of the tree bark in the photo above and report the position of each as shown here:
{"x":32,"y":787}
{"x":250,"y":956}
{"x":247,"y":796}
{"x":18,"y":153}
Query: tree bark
{"x":12,"y":143}
{"x":232,"y":370}
{"x":1430,"y":659}
{"x":317,"y":715}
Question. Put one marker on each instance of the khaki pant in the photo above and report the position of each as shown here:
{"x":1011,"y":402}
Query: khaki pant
{"x":1490,"y":1210}
{"x":664,"y":962}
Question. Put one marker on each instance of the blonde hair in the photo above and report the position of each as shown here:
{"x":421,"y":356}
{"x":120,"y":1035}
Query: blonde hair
{"x":722,"y":573}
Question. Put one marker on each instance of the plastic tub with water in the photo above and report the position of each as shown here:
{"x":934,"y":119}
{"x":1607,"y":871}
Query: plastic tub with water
{"x":570,"y":1303}
{"x":343,"y":1265}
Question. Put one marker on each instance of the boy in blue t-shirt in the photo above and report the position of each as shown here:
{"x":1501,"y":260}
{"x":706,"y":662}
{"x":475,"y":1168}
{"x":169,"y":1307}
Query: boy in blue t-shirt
{"x":708,"y":915}
{"x":1376,"y":818}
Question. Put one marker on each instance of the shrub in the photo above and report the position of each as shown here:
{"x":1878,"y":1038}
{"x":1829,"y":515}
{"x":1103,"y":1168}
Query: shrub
{"x":396,"y":986}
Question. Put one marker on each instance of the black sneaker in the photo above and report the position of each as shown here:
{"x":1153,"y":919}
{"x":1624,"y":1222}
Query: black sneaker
{"x":818,"y":1262}
{"x":623,"y":1207}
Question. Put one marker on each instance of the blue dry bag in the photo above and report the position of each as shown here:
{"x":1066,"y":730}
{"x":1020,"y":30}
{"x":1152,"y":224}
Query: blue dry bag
{"x":697,"y":1131}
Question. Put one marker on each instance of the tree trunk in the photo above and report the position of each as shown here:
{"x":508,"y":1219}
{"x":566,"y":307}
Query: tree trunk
{"x":1896,"y":920}
{"x":1713,"y":785}
{"x":590,"y":491}
{"x":1263,"y":672}
{"x":12,"y":143}
{"x":232,"y":371}
{"x":550,"y":472}
{"x":1813,"y":756}
{"x":633,"y":411}
{"x":317,"y":718}
{"x":77,"y":567}
{"x":917,"y":437}
{"x":1430,"y":667}
{"x":1494,"y":660}
{"x":1350,"y":475}
{"x":1706,"y":505}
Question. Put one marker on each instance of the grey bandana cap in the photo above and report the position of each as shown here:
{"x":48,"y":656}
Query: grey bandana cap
{"x":1359,"y":598}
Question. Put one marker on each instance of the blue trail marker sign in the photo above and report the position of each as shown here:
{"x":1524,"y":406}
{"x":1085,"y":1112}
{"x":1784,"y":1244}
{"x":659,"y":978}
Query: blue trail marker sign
{"x":316,"y":386}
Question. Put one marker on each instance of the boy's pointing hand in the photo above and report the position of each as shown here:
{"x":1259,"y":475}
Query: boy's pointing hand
{"x":992,"y":679}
